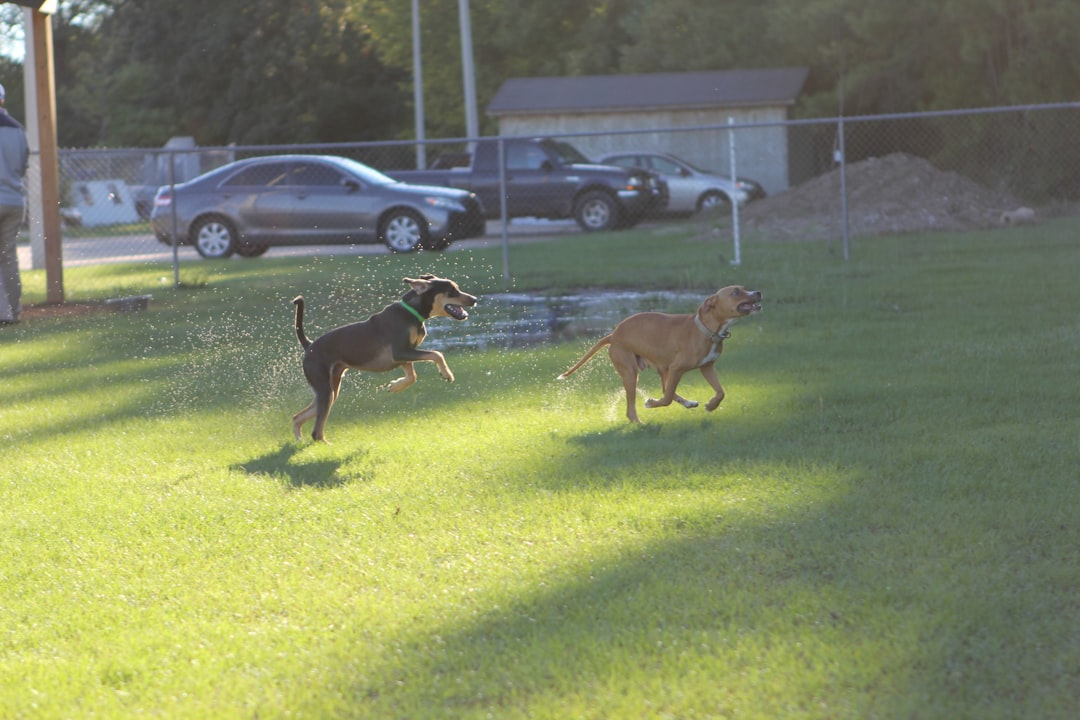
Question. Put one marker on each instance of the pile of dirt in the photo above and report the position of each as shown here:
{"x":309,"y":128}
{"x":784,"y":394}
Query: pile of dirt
{"x":898,"y":193}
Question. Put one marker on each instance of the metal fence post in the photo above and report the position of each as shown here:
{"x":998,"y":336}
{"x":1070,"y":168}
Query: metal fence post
{"x":843,"y":190}
{"x":734,"y":202}
{"x":175,"y":222}
{"x":502,"y":211}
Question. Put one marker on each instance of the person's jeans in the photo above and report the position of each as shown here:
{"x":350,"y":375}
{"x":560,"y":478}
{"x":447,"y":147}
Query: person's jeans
{"x":11,"y":218}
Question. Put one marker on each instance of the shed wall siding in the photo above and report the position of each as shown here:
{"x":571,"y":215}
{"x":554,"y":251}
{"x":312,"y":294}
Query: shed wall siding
{"x":761,"y":153}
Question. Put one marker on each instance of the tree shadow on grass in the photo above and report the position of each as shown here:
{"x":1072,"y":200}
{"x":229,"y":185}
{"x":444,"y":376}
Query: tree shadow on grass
{"x":803,"y":593}
{"x":282,"y":464}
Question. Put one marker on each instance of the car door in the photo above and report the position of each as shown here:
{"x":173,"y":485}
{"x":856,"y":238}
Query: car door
{"x":532,"y":188}
{"x":683,"y":189}
{"x":255,"y":198}
{"x":331,"y":205}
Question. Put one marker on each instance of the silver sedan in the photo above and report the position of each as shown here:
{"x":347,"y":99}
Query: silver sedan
{"x":690,"y":188}
{"x":249,"y":205}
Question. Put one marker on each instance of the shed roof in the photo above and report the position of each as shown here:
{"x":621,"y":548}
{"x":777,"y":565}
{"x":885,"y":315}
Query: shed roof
{"x":649,"y":91}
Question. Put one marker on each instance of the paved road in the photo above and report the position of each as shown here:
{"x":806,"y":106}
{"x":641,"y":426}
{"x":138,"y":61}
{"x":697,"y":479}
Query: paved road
{"x":146,"y":249}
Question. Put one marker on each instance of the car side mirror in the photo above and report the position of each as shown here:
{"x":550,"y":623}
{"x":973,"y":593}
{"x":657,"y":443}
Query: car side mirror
{"x":350,"y":185}
{"x":547,"y":166}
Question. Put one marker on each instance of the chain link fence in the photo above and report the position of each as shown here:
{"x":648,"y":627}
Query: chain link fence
{"x":825,"y":180}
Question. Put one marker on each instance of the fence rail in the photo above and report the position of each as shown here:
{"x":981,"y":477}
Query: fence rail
{"x":1017,"y":156}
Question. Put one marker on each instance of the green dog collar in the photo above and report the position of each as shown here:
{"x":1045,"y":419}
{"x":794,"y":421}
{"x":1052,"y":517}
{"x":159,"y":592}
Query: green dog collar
{"x":413,"y":310}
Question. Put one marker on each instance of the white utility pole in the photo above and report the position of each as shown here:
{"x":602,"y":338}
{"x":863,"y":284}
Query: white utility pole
{"x":418,"y":87}
{"x":472,"y":124}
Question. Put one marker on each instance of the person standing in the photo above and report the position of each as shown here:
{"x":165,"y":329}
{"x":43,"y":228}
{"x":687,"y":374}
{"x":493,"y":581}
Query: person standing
{"x":14,"y":157}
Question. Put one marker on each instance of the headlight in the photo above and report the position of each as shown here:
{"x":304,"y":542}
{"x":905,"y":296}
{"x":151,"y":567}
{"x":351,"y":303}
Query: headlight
{"x":443,"y":203}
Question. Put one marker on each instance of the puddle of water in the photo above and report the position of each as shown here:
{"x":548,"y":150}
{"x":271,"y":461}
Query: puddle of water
{"x":511,"y":320}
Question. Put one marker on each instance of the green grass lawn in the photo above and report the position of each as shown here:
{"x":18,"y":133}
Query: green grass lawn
{"x":879,"y":522}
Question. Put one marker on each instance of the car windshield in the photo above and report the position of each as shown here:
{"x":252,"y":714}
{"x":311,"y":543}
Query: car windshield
{"x":567,"y":153}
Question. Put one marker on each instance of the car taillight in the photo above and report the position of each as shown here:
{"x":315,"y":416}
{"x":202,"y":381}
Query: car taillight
{"x":163,"y":199}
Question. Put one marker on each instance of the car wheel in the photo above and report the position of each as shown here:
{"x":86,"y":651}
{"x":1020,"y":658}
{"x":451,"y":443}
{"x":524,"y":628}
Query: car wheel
{"x":596,"y":211}
{"x":251,"y":250}
{"x":403,"y":231}
{"x":711,"y":200}
{"x":214,"y":238}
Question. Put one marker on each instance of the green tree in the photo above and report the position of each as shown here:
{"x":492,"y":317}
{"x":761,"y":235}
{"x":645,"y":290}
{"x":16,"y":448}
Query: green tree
{"x":273,"y":71}
{"x":685,"y":35}
{"x":131,"y":72}
{"x":511,"y":38}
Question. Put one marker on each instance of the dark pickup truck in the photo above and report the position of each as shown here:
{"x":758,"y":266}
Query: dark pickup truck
{"x":546,"y":178}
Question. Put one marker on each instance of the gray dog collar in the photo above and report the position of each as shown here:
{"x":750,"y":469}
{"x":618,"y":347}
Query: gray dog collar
{"x":716,"y":337}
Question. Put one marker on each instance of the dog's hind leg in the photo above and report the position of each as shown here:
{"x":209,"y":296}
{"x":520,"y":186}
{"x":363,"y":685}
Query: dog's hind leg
{"x":302,"y":417}
{"x":403,"y":382}
{"x":671,"y":381}
{"x":325,"y":387}
{"x":678,"y":398}
{"x":335,"y":381}
{"x":626,"y":365}
{"x":324,"y":401}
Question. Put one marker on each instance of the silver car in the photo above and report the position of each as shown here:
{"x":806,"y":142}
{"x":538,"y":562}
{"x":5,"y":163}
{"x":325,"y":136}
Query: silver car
{"x":690,"y":188}
{"x":249,"y":205}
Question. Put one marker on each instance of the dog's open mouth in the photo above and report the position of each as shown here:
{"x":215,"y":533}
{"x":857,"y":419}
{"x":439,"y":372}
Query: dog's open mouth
{"x":749,"y":307}
{"x":455,"y":311}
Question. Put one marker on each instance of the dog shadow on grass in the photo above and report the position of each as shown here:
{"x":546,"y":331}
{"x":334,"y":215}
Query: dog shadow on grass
{"x":284,"y":465}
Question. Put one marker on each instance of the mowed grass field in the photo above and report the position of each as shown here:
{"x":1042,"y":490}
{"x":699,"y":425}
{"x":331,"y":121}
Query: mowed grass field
{"x":880,"y":521}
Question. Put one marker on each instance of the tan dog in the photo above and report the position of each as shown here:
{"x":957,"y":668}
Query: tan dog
{"x":386,"y":340}
{"x":674,"y":345}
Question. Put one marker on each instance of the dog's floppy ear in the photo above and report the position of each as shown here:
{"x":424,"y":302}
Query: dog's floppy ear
{"x":709,"y":303}
{"x":419,"y":285}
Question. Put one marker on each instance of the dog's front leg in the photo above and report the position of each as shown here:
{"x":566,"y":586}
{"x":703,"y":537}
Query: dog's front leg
{"x":709,"y":373}
{"x":432,"y":356}
{"x":690,"y":404}
{"x":403,"y":382}
{"x":444,"y":369}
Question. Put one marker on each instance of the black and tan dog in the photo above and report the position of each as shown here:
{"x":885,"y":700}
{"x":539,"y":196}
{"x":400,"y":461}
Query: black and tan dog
{"x":386,"y":340}
{"x":674,"y":345}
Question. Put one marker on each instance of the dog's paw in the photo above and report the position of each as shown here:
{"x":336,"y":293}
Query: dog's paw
{"x":713,"y":404}
{"x":448,"y":376}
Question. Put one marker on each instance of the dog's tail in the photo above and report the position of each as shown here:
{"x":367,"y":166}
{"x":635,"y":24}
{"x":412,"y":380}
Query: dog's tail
{"x":606,"y":340}
{"x":298,"y":301}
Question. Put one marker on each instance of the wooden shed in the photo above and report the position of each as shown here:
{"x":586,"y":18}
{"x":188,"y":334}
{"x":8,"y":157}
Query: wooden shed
{"x":672,"y":107}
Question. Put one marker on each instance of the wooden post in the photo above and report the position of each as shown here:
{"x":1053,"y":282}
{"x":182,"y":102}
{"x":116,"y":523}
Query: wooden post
{"x":41,"y":130}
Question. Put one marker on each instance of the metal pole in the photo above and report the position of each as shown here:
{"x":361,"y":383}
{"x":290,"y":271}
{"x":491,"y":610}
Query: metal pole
{"x":175,"y":222}
{"x":843,"y":163}
{"x":472,"y":125}
{"x":734,"y":201}
{"x":503,"y":211}
{"x":843,"y":191}
{"x":418,"y":87}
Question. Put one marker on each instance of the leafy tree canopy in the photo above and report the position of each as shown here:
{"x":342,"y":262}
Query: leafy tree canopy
{"x":131,"y":72}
